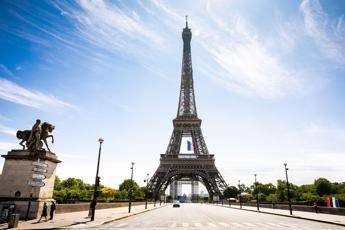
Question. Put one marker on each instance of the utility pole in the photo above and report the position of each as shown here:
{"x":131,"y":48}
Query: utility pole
{"x":288,"y":187}
{"x":239,"y":189}
{"x":257,"y":193}
{"x":147,"y":186}
{"x":130,"y":190}
{"x":95,"y":192}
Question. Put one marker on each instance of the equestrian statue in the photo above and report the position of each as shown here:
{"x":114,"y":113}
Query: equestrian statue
{"x":33,"y":138}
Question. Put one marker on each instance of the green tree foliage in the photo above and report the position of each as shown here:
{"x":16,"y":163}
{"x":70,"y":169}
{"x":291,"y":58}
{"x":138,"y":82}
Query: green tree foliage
{"x":71,"y":189}
{"x":140,"y":193}
{"x":323,"y":186}
{"x":231,"y":191}
{"x":244,"y":188}
{"x":272,"y":197}
{"x":107,"y":193}
{"x":57,"y":183}
{"x":267,"y":189}
{"x":282,"y":191}
{"x":121,"y":195}
{"x":73,"y":183}
{"x":307,"y":193}
{"x":169,"y":198}
{"x":128,"y":184}
{"x":263,"y":190}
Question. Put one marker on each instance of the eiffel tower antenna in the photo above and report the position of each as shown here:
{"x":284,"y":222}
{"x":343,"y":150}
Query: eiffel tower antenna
{"x":187,"y":107}
{"x":197,"y":165}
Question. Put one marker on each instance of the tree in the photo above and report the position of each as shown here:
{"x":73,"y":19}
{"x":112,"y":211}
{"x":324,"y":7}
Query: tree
{"x":137,"y":192}
{"x":70,"y":189}
{"x":128,"y":184}
{"x":169,"y":198}
{"x":307,"y":188}
{"x":57,"y":183}
{"x":244,"y":188}
{"x":338,"y":188}
{"x":230,"y":191}
{"x":121,"y":195}
{"x":267,"y":188}
{"x":107,"y":193}
{"x":323,"y":186}
{"x":140,"y":193}
{"x":282,"y":191}
{"x":73,"y":183}
{"x":271,"y":197}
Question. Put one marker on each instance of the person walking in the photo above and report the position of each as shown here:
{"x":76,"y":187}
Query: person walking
{"x":52,"y":210}
{"x":44,"y":212}
{"x":316,"y":208}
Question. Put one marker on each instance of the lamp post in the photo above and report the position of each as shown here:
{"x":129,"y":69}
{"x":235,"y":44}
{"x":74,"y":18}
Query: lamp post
{"x":288,"y":187}
{"x":257,"y":193}
{"x":130,"y":190}
{"x":95,"y":192}
{"x":239,"y":189}
{"x":147,"y":185}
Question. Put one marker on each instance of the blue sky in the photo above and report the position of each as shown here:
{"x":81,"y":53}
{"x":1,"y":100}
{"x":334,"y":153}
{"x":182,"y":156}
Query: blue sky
{"x":269,"y":81}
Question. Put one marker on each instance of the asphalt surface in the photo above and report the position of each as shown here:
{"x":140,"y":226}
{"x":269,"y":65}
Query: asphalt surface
{"x":203,"y":216}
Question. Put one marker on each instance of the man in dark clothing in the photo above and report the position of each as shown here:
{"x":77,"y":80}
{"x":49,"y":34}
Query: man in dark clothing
{"x":52,"y":210}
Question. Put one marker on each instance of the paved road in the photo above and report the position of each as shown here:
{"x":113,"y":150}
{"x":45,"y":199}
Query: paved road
{"x":197,"y":216}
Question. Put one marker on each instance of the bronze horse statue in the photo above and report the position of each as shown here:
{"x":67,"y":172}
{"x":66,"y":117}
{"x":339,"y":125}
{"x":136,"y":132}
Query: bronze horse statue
{"x":24,"y":135}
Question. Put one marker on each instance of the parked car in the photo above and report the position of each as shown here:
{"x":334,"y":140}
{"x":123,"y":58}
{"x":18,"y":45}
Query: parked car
{"x":176,"y":204}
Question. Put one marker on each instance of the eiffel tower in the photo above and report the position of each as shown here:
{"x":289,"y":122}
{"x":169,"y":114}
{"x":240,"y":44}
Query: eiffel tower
{"x":198,"y":165}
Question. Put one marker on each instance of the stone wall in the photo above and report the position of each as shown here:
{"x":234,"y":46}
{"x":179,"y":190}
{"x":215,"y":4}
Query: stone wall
{"x":63,"y":208}
{"x":303,"y":208}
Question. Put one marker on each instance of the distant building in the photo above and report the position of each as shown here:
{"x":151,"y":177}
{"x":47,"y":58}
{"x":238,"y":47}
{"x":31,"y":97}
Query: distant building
{"x":176,"y":188}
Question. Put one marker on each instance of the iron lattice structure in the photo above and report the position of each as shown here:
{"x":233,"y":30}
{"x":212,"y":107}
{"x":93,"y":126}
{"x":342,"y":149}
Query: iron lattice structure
{"x":200,"y":165}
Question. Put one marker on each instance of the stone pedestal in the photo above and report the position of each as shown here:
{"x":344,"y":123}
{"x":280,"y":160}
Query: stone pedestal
{"x":15,"y":187}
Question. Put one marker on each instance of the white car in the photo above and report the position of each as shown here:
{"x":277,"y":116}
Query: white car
{"x":176,"y":204}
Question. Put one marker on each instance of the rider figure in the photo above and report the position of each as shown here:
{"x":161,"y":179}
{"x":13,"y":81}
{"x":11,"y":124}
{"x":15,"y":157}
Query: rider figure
{"x":35,"y":135}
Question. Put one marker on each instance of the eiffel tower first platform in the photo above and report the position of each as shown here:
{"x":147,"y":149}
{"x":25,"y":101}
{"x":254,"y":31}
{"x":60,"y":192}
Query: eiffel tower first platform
{"x":198,"y":165}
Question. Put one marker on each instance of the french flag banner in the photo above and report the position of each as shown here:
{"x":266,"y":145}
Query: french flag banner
{"x":189,"y":146}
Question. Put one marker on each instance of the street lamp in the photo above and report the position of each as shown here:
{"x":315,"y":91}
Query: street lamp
{"x":288,"y":187}
{"x":95,"y":192}
{"x":239,"y":189}
{"x":130,"y":190}
{"x":147,"y":185}
{"x":257,"y":193}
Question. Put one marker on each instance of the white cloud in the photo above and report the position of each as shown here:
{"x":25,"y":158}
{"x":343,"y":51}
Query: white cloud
{"x":7,"y":146}
{"x":110,"y":27}
{"x":325,"y":133}
{"x":236,"y":56}
{"x":12,"y":92}
{"x":6,"y":71}
{"x":244,"y":64}
{"x":329,"y":35}
{"x":7,"y":130}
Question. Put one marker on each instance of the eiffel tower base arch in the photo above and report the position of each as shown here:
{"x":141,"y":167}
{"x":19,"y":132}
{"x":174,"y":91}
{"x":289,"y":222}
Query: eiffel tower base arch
{"x":177,"y":167}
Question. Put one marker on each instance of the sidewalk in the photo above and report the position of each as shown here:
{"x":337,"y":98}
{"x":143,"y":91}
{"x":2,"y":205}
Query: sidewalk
{"x":320,"y":217}
{"x":80,"y":219}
